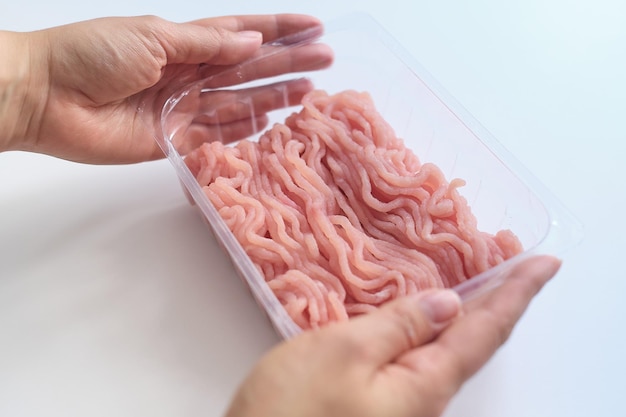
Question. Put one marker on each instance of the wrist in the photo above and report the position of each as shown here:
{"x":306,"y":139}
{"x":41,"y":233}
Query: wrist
{"x":22,"y":92}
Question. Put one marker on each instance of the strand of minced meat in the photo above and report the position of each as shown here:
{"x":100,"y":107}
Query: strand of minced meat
{"x":339,"y":216}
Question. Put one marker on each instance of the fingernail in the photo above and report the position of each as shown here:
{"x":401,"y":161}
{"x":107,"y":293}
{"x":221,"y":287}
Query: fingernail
{"x":250,"y":34}
{"x":441,"y":305}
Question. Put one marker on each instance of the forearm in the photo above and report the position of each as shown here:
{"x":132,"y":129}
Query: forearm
{"x":22,"y":90}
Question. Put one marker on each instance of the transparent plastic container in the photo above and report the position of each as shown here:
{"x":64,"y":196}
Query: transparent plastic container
{"x":500,"y":191}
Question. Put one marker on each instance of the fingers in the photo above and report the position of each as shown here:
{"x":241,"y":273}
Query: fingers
{"x":229,"y":115}
{"x":230,"y":39}
{"x":272,"y":61}
{"x":402,"y":325}
{"x":195,"y":44}
{"x":271,"y":26}
{"x":219,"y":107}
{"x":468,"y":343}
{"x":490,"y":321}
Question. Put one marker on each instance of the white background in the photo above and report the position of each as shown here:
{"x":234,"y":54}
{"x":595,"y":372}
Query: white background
{"x":115,"y":300}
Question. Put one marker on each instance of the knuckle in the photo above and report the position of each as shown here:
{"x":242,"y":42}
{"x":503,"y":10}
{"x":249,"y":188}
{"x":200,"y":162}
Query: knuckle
{"x":217,"y":33}
{"x":152,"y":22}
{"x":150,"y":18}
{"x":215,"y":39}
{"x":499,"y":327}
{"x":415,"y":327}
{"x":503,"y":333}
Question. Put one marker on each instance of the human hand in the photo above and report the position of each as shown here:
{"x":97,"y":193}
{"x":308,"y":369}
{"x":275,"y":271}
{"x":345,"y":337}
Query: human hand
{"x":85,"y":79}
{"x":405,"y":360}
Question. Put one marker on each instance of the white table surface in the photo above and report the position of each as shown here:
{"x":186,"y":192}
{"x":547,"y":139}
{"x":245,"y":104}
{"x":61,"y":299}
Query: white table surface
{"x":115,"y":300}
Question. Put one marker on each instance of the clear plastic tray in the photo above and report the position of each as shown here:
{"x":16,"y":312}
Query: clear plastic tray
{"x":501,"y":192}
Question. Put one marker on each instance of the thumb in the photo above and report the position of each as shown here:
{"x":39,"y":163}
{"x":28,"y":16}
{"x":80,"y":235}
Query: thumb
{"x":403,"y":324}
{"x":188,"y":43}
